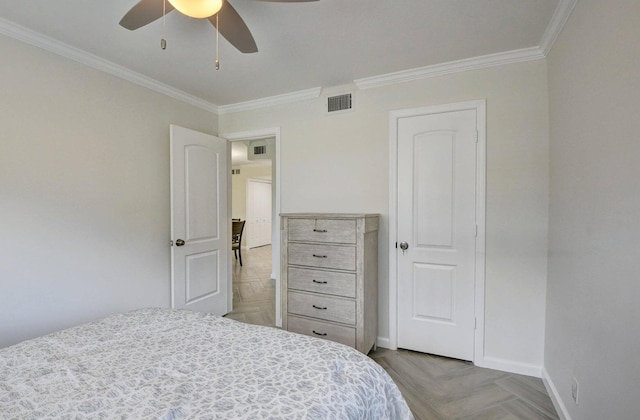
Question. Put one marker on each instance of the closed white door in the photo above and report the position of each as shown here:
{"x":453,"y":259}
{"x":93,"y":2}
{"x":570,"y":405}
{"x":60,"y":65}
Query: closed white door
{"x":199,"y":223}
{"x":258,"y":230}
{"x":437,"y":226}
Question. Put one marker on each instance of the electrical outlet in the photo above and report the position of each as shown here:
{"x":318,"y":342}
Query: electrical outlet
{"x":574,"y":390}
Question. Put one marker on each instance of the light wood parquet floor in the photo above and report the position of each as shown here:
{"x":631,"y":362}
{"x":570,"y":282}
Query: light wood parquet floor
{"x":440,"y":388}
{"x":254,"y":292}
{"x":436,"y":388}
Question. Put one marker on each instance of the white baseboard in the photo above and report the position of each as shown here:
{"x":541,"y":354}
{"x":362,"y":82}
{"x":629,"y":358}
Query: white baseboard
{"x":563,"y":413}
{"x":510,"y":366}
{"x":384,"y":342}
{"x":488,"y":362}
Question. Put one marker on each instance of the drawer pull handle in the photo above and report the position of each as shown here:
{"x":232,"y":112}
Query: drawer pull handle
{"x":324,"y":308}
{"x":320,"y":230}
{"x":319,"y":282}
{"x":320,"y":334}
{"x":319,"y":256}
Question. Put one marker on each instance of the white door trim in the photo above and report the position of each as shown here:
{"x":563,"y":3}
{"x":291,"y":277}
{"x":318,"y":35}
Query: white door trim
{"x":275,"y":217}
{"x":480,"y":107}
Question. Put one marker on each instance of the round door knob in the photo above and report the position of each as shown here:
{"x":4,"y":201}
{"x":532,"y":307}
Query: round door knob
{"x":404,"y":246}
{"x":179,"y":242}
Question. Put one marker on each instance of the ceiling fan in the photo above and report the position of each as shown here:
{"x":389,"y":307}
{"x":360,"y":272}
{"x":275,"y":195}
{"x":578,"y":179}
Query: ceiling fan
{"x":231,"y":26}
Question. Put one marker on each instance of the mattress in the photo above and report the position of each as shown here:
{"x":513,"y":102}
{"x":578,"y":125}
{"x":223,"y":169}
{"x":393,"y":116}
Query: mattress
{"x":174,"y":364}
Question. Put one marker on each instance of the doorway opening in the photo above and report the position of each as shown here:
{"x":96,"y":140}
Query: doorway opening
{"x":255,"y":199}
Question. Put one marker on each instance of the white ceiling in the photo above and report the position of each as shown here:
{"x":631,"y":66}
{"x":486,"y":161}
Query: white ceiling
{"x":301,"y":45}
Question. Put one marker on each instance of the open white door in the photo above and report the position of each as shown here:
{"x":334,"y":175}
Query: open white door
{"x":199,"y":222}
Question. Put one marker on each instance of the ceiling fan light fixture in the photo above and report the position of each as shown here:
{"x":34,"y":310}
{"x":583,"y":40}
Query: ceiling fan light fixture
{"x":197,"y":8}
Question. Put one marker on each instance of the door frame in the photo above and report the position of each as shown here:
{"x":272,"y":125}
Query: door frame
{"x":273,"y":132}
{"x":394,"y":116}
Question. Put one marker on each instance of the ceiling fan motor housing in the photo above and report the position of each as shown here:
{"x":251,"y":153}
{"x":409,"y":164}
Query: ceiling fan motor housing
{"x":197,"y":8}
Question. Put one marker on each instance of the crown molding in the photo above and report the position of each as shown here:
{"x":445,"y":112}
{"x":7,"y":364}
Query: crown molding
{"x":286,"y":98}
{"x":44,"y":42}
{"x":558,"y":20}
{"x":491,"y":60}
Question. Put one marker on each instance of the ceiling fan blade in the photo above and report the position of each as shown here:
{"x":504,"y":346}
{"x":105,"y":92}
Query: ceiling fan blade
{"x":143,"y":13}
{"x":233,"y":28}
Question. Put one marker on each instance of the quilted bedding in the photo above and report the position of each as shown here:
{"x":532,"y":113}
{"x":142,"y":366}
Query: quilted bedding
{"x":167,"y":364}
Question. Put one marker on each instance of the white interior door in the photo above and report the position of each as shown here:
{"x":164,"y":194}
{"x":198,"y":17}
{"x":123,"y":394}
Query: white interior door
{"x":437,"y":221}
{"x":258,"y":213}
{"x":199,"y":222}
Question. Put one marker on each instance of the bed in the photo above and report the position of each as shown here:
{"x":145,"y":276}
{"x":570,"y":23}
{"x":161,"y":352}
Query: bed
{"x":172,"y":364}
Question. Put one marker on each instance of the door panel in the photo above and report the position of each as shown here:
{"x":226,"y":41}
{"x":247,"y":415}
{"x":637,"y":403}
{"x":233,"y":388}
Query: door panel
{"x":434,"y":188}
{"x":433,"y":292}
{"x":436,"y":217}
{"x":199,"y":268}
{"x":199,"y":284}
{"x":201,"y":167}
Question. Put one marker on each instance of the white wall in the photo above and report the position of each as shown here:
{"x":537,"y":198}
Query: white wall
{"x":593,"y":312}
{"x":340,"y":164}
{"x":239,"y":187}
{"x":84,"y":192}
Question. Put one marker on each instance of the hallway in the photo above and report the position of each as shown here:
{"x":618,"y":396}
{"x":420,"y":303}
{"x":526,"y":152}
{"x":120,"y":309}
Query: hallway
{"x":253,"y":289}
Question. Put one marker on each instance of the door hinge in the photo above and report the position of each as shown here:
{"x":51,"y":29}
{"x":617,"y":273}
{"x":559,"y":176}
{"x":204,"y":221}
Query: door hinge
{"x":476,"y":230}
{"x":475,"y":323}
{"x":477,"y":136}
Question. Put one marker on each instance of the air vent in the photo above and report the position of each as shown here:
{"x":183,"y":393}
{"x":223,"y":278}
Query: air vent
{"x":259,"y":150}
{"x":339,"y":103}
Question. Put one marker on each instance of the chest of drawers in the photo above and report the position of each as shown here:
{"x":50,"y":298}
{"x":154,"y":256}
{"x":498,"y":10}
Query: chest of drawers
{"x":330,"y":276}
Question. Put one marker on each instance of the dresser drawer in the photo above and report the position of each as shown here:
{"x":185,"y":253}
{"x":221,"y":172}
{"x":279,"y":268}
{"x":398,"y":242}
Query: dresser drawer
{"x":328,"y":282}
{"x":323,"y":256}
{"x":322,"y":307}
{"x":323,"y":230}
{"x":319,"y":329}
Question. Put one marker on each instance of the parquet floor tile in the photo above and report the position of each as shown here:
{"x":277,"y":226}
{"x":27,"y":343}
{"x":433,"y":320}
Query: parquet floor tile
{"x":440,"y":388}
{"x":253,"y":289}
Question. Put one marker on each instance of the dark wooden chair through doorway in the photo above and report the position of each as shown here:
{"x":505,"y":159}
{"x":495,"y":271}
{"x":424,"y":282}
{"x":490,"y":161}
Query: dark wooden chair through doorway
{"x":237,"y":227}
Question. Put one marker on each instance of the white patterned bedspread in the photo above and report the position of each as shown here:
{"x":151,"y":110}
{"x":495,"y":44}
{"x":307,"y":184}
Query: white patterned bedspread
{"x":155,"y":363}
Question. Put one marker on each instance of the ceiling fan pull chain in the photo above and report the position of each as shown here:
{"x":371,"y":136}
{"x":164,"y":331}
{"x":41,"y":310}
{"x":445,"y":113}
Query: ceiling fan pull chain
{"x":163,"y":41}
{"x":217,"y":41}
